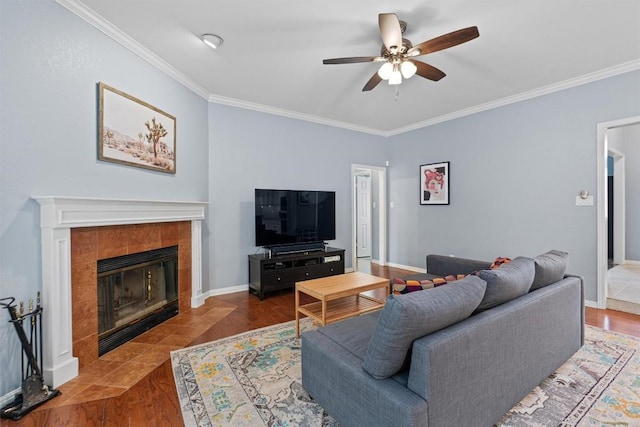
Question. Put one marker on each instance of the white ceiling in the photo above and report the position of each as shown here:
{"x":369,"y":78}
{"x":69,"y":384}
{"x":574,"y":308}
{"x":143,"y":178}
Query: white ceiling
{"x":271,"y":59}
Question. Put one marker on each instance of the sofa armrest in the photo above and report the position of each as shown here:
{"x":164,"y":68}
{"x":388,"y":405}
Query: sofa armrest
{"x":442,"y":265}
{"x":581,"y":279}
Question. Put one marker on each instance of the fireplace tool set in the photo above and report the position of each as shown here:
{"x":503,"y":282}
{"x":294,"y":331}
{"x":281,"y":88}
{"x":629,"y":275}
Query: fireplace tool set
{"x":29,"y":328}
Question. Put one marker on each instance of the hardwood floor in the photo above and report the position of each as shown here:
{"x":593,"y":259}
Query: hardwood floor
{"x":134,"y":386}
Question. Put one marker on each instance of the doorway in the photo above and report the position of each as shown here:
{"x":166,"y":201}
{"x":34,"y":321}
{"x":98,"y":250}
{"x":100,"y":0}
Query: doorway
{"x":616,"y":198}
{"x":368,"y":216}
{"x":609,"y":287}
{"x":364,"y":206}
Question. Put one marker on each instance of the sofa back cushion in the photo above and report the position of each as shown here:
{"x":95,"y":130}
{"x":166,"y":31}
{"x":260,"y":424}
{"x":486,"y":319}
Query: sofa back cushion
{"x":407,"y":317}
{"x":507,"y":282}
{"x":550,"y":267}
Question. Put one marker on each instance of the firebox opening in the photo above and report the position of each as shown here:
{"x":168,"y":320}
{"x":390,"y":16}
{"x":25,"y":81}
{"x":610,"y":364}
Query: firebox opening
{"x":135,"y":293}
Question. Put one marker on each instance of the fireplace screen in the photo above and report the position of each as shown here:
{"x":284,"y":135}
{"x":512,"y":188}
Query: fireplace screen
{"x":135,"y":293}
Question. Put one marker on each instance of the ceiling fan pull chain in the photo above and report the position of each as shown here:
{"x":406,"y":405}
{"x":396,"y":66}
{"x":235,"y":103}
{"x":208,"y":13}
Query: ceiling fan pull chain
{"x":397,"y":92}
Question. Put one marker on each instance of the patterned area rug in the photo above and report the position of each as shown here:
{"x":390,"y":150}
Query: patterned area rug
{"x":253,"y":379}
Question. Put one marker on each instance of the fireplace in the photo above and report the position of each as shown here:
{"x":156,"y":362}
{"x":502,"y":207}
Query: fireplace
{"x":135,"y":293}
{"x":76,"y":232}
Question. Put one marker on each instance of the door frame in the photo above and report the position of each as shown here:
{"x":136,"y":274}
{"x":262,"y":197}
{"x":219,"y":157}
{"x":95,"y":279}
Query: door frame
{"x":382,"y":212}
{"x":601,"y":213}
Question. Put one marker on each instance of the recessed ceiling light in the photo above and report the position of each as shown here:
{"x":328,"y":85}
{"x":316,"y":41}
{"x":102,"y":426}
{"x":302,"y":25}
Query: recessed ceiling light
{"x":212,"y":40}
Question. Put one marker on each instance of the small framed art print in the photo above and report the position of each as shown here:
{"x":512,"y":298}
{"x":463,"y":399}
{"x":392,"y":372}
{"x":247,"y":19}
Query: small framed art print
{"x":434,"y":184}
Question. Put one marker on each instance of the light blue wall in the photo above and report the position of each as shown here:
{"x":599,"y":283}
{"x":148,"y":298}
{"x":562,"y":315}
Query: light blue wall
{"x":51,"y":62}
{"x":254,"y":150}
{"x":515,"y":173}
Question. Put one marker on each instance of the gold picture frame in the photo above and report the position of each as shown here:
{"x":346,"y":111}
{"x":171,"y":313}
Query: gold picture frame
{"x":134,"y":133}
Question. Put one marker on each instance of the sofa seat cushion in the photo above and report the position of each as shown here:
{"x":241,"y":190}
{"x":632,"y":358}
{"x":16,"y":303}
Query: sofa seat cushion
{"x":550,"y":267}
{"x":405,"y":318}
{"x":507,"y":282}
{"x":352,"y":334}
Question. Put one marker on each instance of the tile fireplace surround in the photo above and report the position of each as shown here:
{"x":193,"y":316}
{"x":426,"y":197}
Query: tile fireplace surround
{"x":156,"y":222}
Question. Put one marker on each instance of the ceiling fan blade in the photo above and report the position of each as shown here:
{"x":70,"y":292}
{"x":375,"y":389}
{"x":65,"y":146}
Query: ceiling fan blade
{"x":390,"y":31}
{"x":444,"y":42}
{"x":373,"y":82}
{"x":427,"y":71}
{"x":351,"y":60}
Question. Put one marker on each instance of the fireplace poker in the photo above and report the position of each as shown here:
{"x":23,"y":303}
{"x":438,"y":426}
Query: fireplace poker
{"x":31,"y":315}
{"x":24,"y":371}
{"x":39,"y":329}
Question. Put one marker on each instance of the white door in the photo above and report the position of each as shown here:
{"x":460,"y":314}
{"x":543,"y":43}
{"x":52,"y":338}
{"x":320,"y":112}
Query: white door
{"x":363,"y":209}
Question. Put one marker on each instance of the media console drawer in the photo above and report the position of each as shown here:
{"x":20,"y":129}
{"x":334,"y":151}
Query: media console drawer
{"x":276,"y":278}
{"x":281,"y":272}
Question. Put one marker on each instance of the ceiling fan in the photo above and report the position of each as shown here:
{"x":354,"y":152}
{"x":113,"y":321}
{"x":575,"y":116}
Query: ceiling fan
{"x":397,"y":53}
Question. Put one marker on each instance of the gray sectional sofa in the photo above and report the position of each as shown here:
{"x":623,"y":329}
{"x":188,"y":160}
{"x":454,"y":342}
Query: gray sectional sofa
{"x":461,"y":354}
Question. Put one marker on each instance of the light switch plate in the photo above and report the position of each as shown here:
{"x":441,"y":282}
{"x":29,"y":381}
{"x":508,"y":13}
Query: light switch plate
{"x":588,"y":201}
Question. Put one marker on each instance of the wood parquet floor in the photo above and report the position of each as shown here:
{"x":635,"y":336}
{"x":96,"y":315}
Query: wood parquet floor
{"x":133,"y":386}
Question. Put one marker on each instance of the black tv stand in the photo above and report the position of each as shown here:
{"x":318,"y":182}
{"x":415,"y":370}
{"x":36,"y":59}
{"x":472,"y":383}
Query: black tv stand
{"x":268,"y":273}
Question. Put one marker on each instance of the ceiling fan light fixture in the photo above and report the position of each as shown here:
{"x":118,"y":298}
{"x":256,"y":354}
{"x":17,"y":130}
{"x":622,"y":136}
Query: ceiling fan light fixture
{"x":408,"y":69}
{"x":398,"y":53}
{"x":385,"y":71}
{"x":396,"y":77}
{"x":212,"y":40}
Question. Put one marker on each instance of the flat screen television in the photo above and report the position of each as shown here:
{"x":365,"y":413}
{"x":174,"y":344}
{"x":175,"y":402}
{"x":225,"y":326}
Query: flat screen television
{"x":285,"y":217}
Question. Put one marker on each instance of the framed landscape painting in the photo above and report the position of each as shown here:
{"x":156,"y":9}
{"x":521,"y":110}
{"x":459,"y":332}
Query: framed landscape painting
{"x":434,"y":184}
{"x":134,"y":133}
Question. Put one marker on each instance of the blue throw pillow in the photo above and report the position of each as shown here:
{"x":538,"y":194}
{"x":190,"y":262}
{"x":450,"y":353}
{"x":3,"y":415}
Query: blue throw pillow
{"x":408,"y":317}
{"x":550,"y":267}
{"x":507,"y":282}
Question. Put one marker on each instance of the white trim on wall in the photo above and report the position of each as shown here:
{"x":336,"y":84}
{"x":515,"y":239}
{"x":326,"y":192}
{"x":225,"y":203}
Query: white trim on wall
{"x":556,"y":87}
{"x":601,"y":213}
{"x":125,"y":40}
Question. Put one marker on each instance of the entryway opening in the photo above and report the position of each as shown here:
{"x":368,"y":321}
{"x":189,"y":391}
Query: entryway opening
{"x":368,"y":211}
{"x":618,"y":215}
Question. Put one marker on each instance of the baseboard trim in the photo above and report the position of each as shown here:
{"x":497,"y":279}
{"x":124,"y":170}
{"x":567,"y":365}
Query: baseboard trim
{"x":228,"y":290}
{"x":591,"y":304}
{"x":407,"y":267}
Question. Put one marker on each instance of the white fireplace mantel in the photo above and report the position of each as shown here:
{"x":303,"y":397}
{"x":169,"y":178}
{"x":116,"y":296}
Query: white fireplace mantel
{"x":58,"y":215}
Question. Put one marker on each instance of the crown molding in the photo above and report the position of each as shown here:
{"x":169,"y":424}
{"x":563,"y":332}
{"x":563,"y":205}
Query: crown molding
{"x":556,"y":87}
{"x":293,"y":114}
{"x":112,"y":31}
{"x":119,"y":36}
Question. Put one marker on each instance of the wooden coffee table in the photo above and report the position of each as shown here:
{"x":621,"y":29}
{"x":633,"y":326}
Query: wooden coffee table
{"x":339,"y":297}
